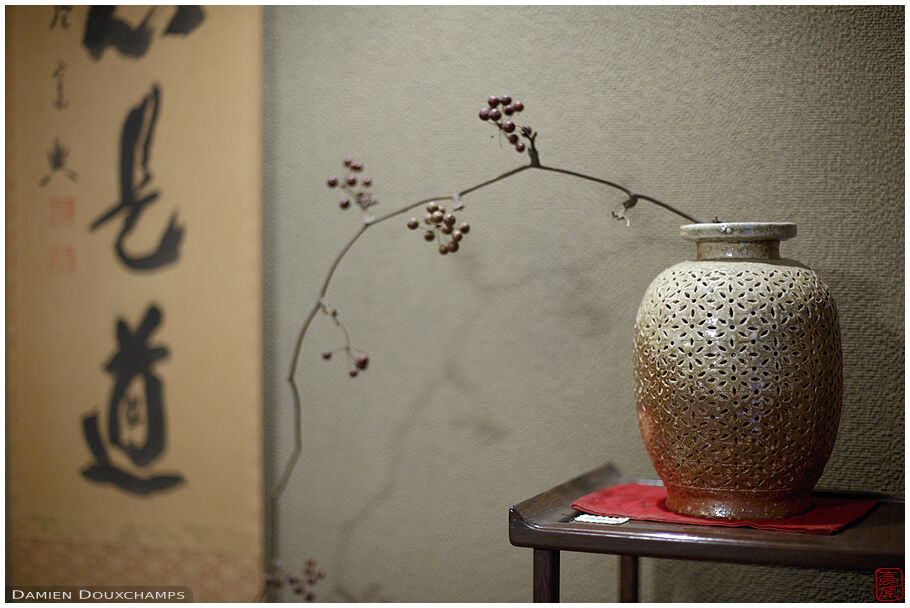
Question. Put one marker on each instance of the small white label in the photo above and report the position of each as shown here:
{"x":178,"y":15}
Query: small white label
{"x":601,"y":519}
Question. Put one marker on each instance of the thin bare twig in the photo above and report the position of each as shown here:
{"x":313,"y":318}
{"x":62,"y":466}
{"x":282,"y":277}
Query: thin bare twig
{"x":629,"y":193}
{"x":289,"y":466}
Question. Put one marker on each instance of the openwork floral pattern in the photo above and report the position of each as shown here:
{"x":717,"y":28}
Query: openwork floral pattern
{"x":738,"y":376}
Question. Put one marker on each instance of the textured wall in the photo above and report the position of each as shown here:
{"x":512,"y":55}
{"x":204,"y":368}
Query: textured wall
{"x":503,"y":370}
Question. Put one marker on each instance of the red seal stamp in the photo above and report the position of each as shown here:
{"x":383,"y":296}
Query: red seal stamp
{"x":62,"y":259}
{"x":61,"y":210}
{"x":889,"y":585}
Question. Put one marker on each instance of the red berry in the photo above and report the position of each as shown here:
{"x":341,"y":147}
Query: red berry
{"x":344,"y":203}
{"x":484,"y":114}
{"x":332,"y":182}
{"x":520,"y":146}
{"x":366,"y":181}
{"x":518,"y":106}
{"x":493,"y":101}
{"x":505,"y":99}
{"x":413,"y":223}
{"x":507,"y":110}
{"x":298,"y":588}
{"x":465,"y":228}
{"x":326,"y":354}
{"x":354,"y":371}
{"x":449,"y":219}
{"x":508,"y":126}
{"x":453,"y":246}
{"x":429,"y":235}
{"x":513,"y":138}
{"x":347,"y":162}
{"x":363,"y":361}
{"x":446,"y":229}
{"x":443,"y":249}
{"x":356,"y":166}
{"x":351,"y":180}
{"x":495,"y":115}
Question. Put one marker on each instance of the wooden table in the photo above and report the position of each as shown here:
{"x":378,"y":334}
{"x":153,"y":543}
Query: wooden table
{"x":546,"y":524}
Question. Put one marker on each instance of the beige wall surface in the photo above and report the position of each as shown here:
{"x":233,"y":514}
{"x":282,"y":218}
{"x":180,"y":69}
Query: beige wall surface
{"x":505,"y":369}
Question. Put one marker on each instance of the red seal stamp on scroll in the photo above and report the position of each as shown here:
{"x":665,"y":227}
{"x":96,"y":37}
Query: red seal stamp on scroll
{"x":889,"y":585}
{"x":62,"y":259}
{"x":61,"y":211}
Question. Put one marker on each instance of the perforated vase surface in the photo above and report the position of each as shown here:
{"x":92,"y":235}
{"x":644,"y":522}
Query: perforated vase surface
{"x":738,"y":375}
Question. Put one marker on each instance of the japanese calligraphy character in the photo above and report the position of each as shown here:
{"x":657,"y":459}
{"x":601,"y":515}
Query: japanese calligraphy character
{"x":103,"y":29}
{"x":135,"y":415}
{"x":61,"y":13}
{"x":135,"y":175}
{"x":56,"y":158}
{"x":60,"y":103}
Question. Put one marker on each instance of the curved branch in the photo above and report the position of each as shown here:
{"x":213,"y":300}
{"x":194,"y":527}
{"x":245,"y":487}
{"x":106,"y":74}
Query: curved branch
{"x":289,"y":466}
{"x":629,"y":193}
{"x":668,"y":207}
{"x":291,"y":463}
{"x":494,"y":180}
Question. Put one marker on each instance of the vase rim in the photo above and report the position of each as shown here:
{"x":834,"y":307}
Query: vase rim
{"x":739,"y":231}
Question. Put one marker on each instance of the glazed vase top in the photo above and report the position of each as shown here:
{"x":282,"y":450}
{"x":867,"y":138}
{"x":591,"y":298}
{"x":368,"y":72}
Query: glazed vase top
{"x":739,"y":240}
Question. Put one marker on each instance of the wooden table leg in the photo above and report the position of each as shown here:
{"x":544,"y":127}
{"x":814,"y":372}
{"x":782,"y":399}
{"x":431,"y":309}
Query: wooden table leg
{"x":546,"y":575}
{"x":628,"y":578}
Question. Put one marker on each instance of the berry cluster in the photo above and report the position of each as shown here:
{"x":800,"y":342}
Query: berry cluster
{"x":361,"y":196}
{"x":441,"y":224}
{"x":498,"y":117}
{"x":356,"y":358}
{"x":301,"y":585}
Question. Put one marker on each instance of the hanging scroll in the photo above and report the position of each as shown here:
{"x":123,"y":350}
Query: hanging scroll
{"x":133,"y":298}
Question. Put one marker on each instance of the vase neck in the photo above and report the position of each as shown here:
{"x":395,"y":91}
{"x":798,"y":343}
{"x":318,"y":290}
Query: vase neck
{"x":739,"y":240}
{"x":742,"y":250}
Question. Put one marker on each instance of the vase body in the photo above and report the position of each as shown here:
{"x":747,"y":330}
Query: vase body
{"x":738,"y":375}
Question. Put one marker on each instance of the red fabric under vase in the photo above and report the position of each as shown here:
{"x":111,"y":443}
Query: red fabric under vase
{"x":648,"y":502}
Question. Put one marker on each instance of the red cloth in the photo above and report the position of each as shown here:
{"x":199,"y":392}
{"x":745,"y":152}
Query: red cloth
{"x":647,"y":502}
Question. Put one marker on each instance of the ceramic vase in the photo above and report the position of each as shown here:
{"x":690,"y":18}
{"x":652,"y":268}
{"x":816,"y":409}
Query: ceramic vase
{"x":738,"y":375}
